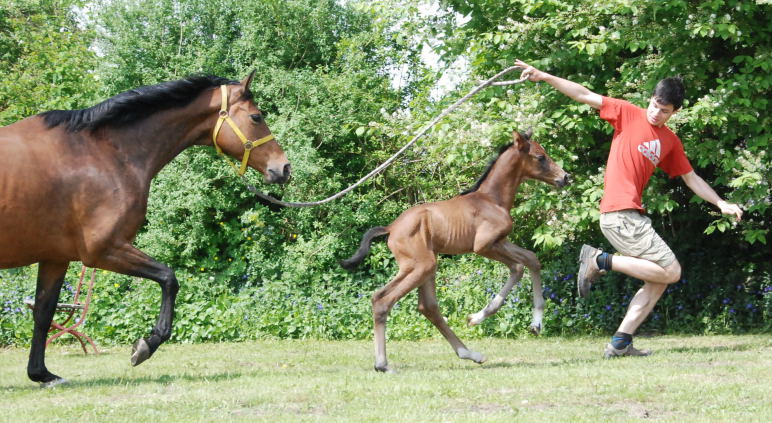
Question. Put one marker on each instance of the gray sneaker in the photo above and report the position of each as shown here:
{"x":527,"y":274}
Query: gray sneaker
{"x":588,"y":269}
{"x":628,"y":351}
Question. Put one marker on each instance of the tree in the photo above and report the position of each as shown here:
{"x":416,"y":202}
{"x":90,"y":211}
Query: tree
{"x":46,"y":62}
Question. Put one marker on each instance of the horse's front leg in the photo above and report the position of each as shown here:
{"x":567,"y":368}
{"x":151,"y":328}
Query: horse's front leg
{"x":534,"y":269}
{"x":130,"y":261}
{"x":49,"y":284}
{"x":515,"y":274}
{"x":514,"y":257}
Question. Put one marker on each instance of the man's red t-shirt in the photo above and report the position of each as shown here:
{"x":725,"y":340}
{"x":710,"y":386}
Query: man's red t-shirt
{"x":637,"y":148}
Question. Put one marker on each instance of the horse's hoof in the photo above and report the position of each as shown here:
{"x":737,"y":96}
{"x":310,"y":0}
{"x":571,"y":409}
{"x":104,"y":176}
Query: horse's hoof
{"x":466,"y":354}
{"x":478,"y":358}
{"x":535,"y":330}
{"x":140,"y":352}
{"x":385,"y":369}
{"x":473,"y":320}
{"x":54,"y":383}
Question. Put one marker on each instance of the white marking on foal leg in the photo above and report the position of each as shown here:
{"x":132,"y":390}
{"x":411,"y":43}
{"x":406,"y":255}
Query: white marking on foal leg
{"x":467,"y":354}
{"x":487,"y":311}
{"x":514,"y":277}
{"x":538,"y":304}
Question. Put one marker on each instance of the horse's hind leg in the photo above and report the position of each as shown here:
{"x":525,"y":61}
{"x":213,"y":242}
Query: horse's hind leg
{"x":428,"y":306}
{"x":130,"y":261}
{"x":384,"y":299}
{"x":49,"y":283}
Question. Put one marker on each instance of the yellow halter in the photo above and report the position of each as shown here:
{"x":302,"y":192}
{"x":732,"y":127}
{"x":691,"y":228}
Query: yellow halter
{"x":248,"y":145}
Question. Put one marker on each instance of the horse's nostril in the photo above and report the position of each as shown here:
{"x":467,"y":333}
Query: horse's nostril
{"x":287,"y":170}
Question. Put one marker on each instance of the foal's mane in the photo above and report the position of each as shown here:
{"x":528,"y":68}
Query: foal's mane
{"x":485,"y":174}
{"x":134,"y":105}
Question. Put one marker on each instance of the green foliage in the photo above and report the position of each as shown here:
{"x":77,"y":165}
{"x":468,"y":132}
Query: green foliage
{"x":15,"y":317}
{"x":45,"y":59}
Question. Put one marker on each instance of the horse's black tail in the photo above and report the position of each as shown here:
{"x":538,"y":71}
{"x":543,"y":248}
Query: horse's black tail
{"x":364,"y":247}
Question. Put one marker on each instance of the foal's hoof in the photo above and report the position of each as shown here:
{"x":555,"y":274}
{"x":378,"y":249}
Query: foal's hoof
{"x":54,"y":383}
{"x":140,"y":352}
{"x":535,"y":329}
{"x":474,"y":319}
{"x":385,"y":369}
{"x":471,"y":355}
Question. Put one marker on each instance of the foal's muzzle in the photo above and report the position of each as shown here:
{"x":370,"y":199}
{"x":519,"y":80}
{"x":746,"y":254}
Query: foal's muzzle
{"x":279,"y":176}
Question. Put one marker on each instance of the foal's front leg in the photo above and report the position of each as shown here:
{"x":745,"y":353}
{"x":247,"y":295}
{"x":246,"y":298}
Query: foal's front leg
{"x":515,"y":274}
{"x":529,"y":259}
{"x":514,"y":257}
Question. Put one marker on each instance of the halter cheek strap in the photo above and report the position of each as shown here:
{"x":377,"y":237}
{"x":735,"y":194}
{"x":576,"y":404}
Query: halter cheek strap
{"x":248,"y":145}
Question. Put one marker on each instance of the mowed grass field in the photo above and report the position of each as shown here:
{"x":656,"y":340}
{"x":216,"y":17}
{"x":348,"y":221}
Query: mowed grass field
{"x":689,"y":379}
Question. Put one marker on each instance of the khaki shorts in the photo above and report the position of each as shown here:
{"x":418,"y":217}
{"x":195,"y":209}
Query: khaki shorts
{"x":632,"y":235}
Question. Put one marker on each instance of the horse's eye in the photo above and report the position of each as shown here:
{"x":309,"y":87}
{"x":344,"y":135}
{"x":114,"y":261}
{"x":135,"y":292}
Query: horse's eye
{"x":542,"y":159}
{"x":256,"y":118}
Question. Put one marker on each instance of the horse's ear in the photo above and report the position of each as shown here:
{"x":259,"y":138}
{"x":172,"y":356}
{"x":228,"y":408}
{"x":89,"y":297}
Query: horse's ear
{"x":248,"y":80}
{"x":528,"y":134}
{"x":522,"y":141}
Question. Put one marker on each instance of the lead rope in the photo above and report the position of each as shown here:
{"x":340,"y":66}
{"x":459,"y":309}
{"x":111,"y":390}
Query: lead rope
{"x":454,"y":106}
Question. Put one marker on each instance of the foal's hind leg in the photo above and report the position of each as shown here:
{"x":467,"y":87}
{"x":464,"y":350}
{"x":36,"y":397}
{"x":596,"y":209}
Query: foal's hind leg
{"x":427,"y":305}
{"x":130,"y":261}
{"x":384,"y":299}
{"x":49,"y":284}
{"x":514,"y":257}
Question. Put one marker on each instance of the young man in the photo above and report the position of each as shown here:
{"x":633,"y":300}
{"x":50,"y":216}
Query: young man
{"x":641,"y":142}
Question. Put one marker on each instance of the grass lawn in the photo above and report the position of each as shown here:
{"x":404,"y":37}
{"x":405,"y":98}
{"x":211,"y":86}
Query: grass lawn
{"x":689,"y":379}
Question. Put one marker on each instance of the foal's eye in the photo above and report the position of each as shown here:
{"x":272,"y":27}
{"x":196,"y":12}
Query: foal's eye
{"x":541,"y":159}
{"x":256,"y":118}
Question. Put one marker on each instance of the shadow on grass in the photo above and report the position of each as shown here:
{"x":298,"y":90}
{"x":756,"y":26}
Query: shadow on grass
{"x":498,"y":365}
{"x":128,"y":381}
{"x":714,"y":349}
{"x":538,"y":364}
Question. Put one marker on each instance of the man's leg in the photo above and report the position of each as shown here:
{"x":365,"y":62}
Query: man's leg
{"x":644,"y":256}
{"x":646,"y":270}
{"x":640,"y":306}
{"x":642,"y":303}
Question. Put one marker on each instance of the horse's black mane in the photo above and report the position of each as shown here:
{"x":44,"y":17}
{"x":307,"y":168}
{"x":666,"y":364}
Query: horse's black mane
{"x":134,"y":105}
{"x":485,"y":174}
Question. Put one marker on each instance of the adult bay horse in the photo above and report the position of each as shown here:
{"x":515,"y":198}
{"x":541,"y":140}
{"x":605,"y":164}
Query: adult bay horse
{"x":74,"y":185}
{"x":478,"y":221}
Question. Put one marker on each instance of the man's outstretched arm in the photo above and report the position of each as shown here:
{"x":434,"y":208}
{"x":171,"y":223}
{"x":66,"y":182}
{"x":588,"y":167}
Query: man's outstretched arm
{"x":571,"y":89}
{"x":704,"y":191}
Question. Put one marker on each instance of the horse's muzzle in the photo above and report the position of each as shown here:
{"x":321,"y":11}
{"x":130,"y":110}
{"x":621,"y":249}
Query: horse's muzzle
{"x":562,"y":182}
{"x":279,"y":176}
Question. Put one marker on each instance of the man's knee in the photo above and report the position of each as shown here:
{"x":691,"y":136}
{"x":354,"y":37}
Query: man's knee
{"x":673,"y":272}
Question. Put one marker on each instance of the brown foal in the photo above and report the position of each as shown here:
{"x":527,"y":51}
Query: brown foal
{"x":475,"y":221}
{"x":74,"y":185}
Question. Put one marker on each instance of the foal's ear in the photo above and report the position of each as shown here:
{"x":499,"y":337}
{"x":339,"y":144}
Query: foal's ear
{"x":246,"y":82}
{"x":522,"y":141}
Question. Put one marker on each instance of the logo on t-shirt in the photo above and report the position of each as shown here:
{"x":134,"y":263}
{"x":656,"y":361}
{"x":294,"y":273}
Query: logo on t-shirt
{"x":651,"y":150}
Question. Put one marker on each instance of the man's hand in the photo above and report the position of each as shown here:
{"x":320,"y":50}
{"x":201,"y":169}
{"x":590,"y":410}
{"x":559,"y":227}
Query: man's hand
{"x":730,"y":208}
{"x":533,"y":74}
{"x":571,"y":89}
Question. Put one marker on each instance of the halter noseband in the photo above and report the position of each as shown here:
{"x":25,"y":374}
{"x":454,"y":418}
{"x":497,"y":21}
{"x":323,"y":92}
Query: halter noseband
{"x":248,"y":145}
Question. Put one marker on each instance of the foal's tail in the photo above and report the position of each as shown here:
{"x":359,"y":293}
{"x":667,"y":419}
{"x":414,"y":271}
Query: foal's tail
{"x":364,"y":247}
